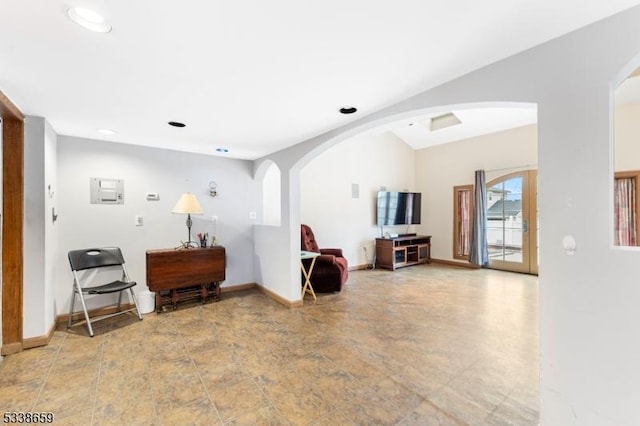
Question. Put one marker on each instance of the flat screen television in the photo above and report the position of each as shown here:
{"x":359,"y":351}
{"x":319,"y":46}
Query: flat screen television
{"x":398,"y":208}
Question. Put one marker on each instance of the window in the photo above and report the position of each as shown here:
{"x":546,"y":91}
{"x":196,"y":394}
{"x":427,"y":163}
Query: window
{"x":625,"y":208}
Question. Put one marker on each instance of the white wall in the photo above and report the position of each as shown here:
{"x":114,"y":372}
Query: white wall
{"x":271,"y":196}
{"x":50,"y":226}
{"x":40,"y":235}
{"x":326,"y":203}
{"x":440,"y":168}
{"x":276,"y":250}
{"x":169,"y":173}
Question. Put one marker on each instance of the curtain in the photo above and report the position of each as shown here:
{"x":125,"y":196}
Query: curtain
{"x":464,"y":222}
{"x":625,"y":232}
{"x":479,"y":251}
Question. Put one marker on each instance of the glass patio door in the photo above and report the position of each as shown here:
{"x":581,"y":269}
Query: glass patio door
{"x":512,"y":225}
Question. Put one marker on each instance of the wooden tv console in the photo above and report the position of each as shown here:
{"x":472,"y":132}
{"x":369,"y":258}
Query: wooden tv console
{"x":393,"y":253}
{"x":176,"y":275}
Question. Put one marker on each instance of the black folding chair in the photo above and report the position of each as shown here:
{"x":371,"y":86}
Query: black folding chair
{"x":85,"y":264}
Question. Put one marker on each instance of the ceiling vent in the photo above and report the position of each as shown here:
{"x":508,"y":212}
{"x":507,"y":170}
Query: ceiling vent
{"x":443,"y":121}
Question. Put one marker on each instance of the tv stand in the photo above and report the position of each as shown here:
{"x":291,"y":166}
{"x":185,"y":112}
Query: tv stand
{"x":393,"y":253}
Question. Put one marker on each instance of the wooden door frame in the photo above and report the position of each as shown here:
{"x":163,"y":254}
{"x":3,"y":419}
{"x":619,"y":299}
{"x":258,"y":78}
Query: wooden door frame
{"x":12,"y":225}
{"x":456,"y":215}
{"x":530,"y":205}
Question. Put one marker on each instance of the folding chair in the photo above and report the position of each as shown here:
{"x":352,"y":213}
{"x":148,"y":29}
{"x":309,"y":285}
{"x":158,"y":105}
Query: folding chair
{"x":85,"y":264}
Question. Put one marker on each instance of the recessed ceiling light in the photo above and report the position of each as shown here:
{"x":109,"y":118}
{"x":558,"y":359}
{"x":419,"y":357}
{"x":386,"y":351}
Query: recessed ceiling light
{"x":88,"y":19}
{"x":221,"y":149}
{"x":347,"y":110}
{"x":176,"y":124}
{"x":107,"y":131}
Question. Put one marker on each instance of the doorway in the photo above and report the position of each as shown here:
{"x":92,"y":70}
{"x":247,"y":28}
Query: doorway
{"x":512,"y":222}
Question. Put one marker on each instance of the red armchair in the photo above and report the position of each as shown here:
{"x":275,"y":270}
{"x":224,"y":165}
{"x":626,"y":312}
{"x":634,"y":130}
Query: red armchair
{"x":330,"y":271}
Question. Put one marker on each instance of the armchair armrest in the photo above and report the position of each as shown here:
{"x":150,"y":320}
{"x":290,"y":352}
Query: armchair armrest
{"x":332,"y":251}
{"x":326,"y":258}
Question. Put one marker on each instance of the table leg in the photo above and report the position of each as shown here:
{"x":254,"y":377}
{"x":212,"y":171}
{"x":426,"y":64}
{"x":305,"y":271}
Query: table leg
{"x":307,"y":279}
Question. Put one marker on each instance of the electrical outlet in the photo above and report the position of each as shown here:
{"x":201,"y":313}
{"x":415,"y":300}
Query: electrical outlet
{"x":214,"y":219}
{"x":139,"y":220}
{"x":252,"y":215}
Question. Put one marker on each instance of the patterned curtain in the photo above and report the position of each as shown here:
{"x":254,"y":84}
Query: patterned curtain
{"x":479,"y":251}
{"x":464,"y":220}
{"x":625,"y":232}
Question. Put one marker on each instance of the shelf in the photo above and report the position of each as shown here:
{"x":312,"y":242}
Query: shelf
{"x":393,"y":253}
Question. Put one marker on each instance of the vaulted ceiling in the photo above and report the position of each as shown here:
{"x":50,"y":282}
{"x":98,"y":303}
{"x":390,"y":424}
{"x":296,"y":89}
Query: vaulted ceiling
{"x":253,"y":77}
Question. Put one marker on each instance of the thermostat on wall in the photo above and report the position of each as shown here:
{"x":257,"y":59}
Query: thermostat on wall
{"x":153,"y":196}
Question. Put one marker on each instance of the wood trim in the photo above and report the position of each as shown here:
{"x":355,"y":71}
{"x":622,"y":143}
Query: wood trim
{"x":288,"y":303}
{"x":360,"y":267}
{"x":8,"y":110}
{"x":529,"y":211}
{"x":265,"y":291}
{"x":34,"y":342}
{"x":11,"y":348}
{"x":455,"y":263}
{"x":62,"y":319}
{"x":12,"y":225}
{"x":533,"y":221}
{"x":238,"y":287}
{"x":456,"y":208}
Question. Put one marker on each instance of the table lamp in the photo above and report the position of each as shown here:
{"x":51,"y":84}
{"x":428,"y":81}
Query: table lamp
{"x":188,"y":204}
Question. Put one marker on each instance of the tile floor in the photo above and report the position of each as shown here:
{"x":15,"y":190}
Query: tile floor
{"x":426,"y":345}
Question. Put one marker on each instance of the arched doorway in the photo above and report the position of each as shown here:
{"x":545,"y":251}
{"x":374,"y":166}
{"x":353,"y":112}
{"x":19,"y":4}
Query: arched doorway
{"x":512,"y":222}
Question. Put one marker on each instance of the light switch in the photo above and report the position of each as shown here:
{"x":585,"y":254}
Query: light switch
{"x":252,"y":215}
{"x":139,"y":220}
{"x":569,"y":244}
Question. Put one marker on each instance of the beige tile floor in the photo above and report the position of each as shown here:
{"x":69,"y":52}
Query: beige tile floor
{"x":426,"y":345}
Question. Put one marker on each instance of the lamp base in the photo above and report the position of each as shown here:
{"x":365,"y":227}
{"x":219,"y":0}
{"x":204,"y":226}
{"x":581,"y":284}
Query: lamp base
{"x":188,"y":245}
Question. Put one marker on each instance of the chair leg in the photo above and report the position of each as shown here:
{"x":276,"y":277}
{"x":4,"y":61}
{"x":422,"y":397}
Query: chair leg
{"x":135,"y":302}
{"x":73,"y":299}
{"x":86,"y":314}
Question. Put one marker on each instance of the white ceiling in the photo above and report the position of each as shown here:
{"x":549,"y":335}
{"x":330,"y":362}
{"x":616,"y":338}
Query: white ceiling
{"x":257,"y":76}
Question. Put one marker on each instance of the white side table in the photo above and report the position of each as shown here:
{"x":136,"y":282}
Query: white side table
{"x":307,"y":287}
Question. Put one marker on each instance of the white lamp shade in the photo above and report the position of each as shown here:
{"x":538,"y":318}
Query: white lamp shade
{"x":187,"y":204}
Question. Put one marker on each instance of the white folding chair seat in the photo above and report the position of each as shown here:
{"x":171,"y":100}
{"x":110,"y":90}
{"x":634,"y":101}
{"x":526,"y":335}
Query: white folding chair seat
{"x":83,"y":262}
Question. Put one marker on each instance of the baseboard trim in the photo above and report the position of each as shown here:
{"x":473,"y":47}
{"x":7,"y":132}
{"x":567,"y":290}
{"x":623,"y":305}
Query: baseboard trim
{"x":11,"y":348}
{"x":455,"y":263}
{"x":107,"y":310}
{"x":270,"y":294}
{"x":34,"y":342}
{"x":360,"y":267}
{"x":238,"y":287}
{"x":279,"y":299}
